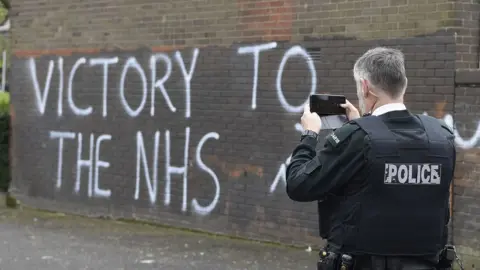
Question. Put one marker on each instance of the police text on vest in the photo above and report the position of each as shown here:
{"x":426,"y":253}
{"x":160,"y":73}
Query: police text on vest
{"x":413,"y":173}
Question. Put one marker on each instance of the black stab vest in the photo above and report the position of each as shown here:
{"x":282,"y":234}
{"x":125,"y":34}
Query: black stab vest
{"x":404,"y":209}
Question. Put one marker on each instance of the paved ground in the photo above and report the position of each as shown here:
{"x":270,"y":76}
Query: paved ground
{"x":34,"y":240}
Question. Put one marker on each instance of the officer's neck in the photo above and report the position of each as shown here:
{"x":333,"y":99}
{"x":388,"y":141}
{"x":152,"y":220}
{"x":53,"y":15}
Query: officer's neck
{"x":384,"y":101}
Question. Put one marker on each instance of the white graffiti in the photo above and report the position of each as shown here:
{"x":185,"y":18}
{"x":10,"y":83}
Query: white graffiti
{"x":97,"y":191}
{"x":187,"y":73}
{"x":293,"y":51}
{"x":281,"y":175}
{"x":60,"y":136}
{"x":76,"y":110}
{"x":133,"y":63}
{"x":41,"y":96}
{"x":204,"y":210}
{"x":169,"y":169}
{"x":146,"y":164}
{"x":152,"y":181}
{"x":160,"y":83}
{"x":255,"y":50}
{"x":105,"y":62}
{"x":92,"y":163}
{"x":88,"y":162}
{"x":151,"y":147}
{"x":187,"y":77}
{"x":60,"y":87}
{"x":461,"y":142}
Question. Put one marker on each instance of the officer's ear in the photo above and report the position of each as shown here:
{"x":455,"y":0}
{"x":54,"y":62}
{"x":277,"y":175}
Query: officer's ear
{"x":368,"y":90}
{"x":365,"y":88}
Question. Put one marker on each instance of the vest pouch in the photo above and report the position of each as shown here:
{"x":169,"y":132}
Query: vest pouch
{"x":350,"y":215}
{"x":325,"y":209}
{"x":350,"y":233}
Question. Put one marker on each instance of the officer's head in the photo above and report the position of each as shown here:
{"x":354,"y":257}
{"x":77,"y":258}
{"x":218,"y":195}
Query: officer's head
{"x":380,"y":77}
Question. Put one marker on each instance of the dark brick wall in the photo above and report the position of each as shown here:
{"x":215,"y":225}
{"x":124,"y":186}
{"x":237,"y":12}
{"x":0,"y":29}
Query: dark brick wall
{"x":65,"y":24}
{"x":466,"y":191}
{"x":466,"y":29}
{"x":253,"y":143}
{"x":88,"y":24}
{"x":252,"y":146}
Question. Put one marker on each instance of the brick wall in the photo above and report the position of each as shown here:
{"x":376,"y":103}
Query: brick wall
{"x":466,"y":30}
{"x":240,"y":125}
{"x":466,"y":190}
{"x":86,"y":24}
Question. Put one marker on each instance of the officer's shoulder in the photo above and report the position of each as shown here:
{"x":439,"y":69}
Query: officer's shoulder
{"x":343,"y":133}
{"x":444,"y":125}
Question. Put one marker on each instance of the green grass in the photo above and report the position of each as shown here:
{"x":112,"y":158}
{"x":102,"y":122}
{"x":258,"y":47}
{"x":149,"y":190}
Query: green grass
{"x":4,"y":103}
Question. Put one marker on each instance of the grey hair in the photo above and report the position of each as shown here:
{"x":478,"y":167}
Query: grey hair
{"x":384,"y":68}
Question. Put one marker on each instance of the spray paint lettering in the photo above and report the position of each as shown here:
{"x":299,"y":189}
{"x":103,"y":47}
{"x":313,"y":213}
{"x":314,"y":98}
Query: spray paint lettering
{"x":295,"y":51}
{"x":464,"y":143}
{"x":292,"y":52}
{"x":89,"y":146}
{"x":282,"y":171}
{"x":89,"y":165}
{"x":88,"y":159}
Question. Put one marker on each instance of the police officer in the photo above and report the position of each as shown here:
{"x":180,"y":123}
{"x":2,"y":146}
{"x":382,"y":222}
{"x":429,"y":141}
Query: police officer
{"x":385,"y":175}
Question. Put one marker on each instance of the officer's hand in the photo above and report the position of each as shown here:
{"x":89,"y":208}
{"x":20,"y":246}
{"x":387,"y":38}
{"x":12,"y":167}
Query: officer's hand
{"x":311,"y":121}
{"x":352,"y":112}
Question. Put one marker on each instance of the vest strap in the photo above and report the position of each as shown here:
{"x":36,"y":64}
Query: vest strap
{"x":375,"y":128}
{"x":433,"y":128}
{"x":379,"y":134}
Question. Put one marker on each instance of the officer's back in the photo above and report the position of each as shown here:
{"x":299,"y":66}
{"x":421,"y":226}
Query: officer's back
{"x":384,"y":178}
{"x":399,"y":203}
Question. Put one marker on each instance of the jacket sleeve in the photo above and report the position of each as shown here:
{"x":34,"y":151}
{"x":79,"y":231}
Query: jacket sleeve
{"x":312,"y":174}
